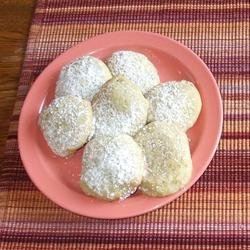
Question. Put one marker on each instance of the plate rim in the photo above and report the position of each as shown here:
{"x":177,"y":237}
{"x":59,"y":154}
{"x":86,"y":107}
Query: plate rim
{"x":89,"y":42}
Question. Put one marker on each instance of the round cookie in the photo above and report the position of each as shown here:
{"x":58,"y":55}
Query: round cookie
{"x":168,"y":158}
{"x":119,"y":107}
{"x":134,"y":66}
{"x":83,"y":77}
{"x":112,"y":167}
{"x":176,"y":102}
{"x":67,"y":123}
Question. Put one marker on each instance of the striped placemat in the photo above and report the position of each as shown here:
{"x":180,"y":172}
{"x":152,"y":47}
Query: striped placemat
{"x":215,"y":212}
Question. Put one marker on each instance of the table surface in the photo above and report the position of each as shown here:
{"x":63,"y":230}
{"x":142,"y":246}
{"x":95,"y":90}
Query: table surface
{"x":14,"y":26}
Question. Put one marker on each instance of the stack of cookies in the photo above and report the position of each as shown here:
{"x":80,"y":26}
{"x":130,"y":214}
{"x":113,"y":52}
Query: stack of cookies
{"x":134,"y":127}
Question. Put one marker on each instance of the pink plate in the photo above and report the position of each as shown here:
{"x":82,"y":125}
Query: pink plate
{"x":58,"y":178}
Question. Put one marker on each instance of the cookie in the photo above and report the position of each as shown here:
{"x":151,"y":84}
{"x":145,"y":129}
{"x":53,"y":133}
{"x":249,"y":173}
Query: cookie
{"x":175,"y":102}
{"x":66,"y":124}
{"x":83,"y":77}
{"x":135,"y":67}
{"x":119,"y":107}
{"x":112,"y":167}
{"x":169,"y":163}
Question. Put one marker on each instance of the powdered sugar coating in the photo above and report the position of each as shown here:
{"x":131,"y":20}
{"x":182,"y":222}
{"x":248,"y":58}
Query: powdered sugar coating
{"x":112,"y":167}
{"x":176,"y":102}
{"x":134,"y":66}
{"x":168,"y":157}
{"x":83,"y":77}
{"x":67,"y":123}
{"x":119,"y":107}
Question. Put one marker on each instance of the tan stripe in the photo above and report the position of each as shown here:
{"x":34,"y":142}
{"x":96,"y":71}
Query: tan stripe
{"x":217,"y":31}
{"x":186,"y":225}
{"x":22,"y":204}
{"x":234,"y":144}
{"x":18,"y":107}
{"x":149,"y":7}
{"x":190,"y":25}
{"x":13,"y":126}
{"x":234,"y":80}
{"x":239,"y":106}
{"x":235,"y":107}
{"x":235,"y":127}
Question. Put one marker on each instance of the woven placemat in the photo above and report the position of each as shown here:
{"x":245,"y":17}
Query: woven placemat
{"x":215,"y":212}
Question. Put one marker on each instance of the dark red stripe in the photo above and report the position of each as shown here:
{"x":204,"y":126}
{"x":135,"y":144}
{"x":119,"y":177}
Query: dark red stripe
{"x":107,"y":16}
{"x":235,"y":135}
{"x":234,"y":116}
{"x":227,"y":238}
{"x":236,"y":97}
{"x":223,"y":177}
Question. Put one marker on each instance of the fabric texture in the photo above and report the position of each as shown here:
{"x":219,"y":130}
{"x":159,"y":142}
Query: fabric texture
{"x":215,"y":212}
